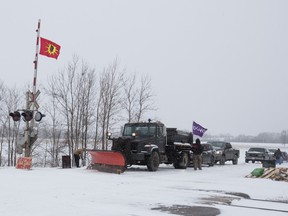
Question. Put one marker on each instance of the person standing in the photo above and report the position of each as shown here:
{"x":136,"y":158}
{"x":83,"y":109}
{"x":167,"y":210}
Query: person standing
{"x":77,"y":155}
{"x":278,"y":156}
{"x":197,"y":150}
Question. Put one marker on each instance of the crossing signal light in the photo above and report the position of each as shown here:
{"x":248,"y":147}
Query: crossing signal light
{"x":38,"y":116}
{"x":15,"y":116}
{"x":27,"y":115}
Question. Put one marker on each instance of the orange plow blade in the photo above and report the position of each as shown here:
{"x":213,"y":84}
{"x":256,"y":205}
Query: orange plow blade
{"x":107,"y":161}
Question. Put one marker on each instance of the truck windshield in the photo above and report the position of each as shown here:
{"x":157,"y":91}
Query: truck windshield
{"x":218,"y":145}
{"x":257,"y":149}
{"x":140,"y":130}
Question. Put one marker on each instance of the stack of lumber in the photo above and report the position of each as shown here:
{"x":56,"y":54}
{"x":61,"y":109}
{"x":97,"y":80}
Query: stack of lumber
{"x":277,"y":174}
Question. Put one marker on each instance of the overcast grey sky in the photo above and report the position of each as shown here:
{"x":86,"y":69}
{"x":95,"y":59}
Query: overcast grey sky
{"x":222,"y":63}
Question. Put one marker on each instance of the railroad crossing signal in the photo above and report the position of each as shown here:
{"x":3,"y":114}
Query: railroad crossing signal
{"x":38,"y":116}
{"x":33,"y":98}
{"x":28,"y":115}
{"x":15,"y":116}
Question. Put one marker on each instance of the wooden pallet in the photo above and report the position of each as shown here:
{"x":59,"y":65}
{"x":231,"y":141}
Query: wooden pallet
{"x":277,"y":174}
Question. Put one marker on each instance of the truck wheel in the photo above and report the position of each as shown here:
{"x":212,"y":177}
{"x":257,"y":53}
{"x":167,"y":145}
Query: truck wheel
{"x":222,"y":160}
{"x":153,"y":161}
{"x":183,"y":162}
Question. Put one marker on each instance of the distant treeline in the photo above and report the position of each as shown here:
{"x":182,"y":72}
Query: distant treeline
{"x":265,"y":137}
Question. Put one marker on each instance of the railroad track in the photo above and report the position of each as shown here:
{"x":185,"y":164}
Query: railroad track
{"x":275,"y":206}
{"x":241,"y":200}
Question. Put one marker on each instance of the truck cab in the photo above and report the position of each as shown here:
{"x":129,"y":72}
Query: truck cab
{"x":146,"y":134}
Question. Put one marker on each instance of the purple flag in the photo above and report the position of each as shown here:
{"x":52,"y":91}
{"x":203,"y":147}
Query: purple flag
{"x":198,"y":129}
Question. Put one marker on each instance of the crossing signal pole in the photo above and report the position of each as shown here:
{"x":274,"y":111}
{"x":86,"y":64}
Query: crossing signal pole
{"x":30,"y":114}
{"x":32,"y":105}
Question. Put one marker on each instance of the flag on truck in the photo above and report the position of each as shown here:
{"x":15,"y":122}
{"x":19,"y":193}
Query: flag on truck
{"x":197,"y":129}
{"x":49,"y":48}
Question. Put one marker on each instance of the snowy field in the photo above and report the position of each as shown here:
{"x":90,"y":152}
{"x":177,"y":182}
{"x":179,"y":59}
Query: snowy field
{"x":137,"y":192}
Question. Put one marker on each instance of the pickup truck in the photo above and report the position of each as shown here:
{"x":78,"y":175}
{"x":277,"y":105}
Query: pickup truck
{"x":258,"y":154}
{"x":225,"y":152}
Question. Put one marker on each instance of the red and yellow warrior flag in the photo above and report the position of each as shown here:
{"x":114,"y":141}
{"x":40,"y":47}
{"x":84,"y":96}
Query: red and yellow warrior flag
{"x":49,"y":48}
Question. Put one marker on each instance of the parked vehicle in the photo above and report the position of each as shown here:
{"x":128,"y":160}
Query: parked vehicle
{"x":208,"y":155}
{"x":271,"y":152}
{"x":145,"y":143}
{"x":285,"y":156}
{"x":258,"y":154}
{"x":225,"y":152}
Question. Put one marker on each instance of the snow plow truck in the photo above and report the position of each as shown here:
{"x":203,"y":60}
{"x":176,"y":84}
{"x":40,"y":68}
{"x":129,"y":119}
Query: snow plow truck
{"x":146,"y":143}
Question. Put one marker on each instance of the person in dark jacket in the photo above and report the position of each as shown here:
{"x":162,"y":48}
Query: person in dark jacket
{"x":278,"y":156}
{"x":77,"y":155}
{"x":197,"y":150}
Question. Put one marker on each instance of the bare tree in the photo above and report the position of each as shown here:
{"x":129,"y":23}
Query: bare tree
{"x":144,"y":98}
{"x":2,"y":118}
{"x":97,"y":121}
{"x":52,"y":131}
{"x":129,"y":98}
{"x":11,"y":103}
{"x":87,"y":108}
{"x":109,"y":98}
{"x":73,"y":91}
{"x":137,"y":99}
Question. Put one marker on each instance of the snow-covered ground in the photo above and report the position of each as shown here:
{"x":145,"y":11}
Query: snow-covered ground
{"x":137,"y":192}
